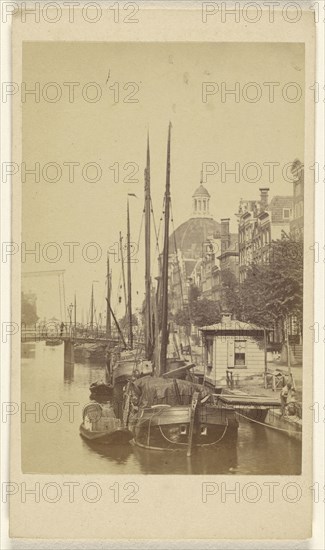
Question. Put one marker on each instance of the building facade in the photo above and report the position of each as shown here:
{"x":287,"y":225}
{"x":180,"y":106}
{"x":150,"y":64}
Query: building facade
{"x":219,"y":255}
{"x":233,"y":350}
{"x":297,"y":221}
{"x":260,"y":222}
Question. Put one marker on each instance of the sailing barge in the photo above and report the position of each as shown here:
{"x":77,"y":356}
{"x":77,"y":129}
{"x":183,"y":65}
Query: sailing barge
{"x":171,"y":414}
{"x":162,"y":411}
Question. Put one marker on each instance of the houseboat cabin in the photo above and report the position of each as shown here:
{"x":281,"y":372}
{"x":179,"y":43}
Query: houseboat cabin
{"x":233,"y":351}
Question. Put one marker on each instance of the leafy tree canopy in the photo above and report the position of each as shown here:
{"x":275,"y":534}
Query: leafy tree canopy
{"x":28,"y":311}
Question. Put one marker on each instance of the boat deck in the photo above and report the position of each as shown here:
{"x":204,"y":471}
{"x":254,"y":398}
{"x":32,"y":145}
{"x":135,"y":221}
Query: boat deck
{"x":249,"y":401}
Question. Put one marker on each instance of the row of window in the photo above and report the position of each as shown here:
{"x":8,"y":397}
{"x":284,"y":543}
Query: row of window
{"x":263,"y":237}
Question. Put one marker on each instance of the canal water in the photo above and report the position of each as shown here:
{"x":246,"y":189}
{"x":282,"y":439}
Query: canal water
{"x":51,"y":442}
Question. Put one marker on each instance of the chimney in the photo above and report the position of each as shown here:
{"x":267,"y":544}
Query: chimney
{"x":226,"y":317}
{"x":225,"y":234}
{"x":264,"y":197}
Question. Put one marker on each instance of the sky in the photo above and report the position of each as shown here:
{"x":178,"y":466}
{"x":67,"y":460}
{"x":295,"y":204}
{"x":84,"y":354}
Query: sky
{"x":166,"y":79}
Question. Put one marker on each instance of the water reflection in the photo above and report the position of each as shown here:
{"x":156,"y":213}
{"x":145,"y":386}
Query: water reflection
{"x":220,"y":460}
{"x":68,"y":375}
{"x":28,"y":350}
{"x":116,"y":453}
{"x":60,"y":449}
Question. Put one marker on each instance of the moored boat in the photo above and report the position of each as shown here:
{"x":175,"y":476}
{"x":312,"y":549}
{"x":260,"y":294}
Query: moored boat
{"x":128,"y":365}
{"x":166,"y":412}
{"x":170,"y":414}
{"x":100,"y":425}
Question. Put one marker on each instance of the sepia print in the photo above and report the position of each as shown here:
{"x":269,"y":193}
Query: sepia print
{"x":162,"y":256}
{"x":163,"y":278}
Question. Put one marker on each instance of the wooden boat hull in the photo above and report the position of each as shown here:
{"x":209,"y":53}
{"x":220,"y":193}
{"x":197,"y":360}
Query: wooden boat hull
{"x":118,"y":436}
{"x":167,"y":428}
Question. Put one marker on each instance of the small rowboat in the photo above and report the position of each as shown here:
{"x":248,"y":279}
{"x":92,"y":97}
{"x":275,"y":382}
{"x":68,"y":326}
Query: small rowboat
{"x":101,"y":426}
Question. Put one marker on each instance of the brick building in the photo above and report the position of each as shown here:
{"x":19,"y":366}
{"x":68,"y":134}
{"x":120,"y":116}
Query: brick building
{"x":260,"y":222}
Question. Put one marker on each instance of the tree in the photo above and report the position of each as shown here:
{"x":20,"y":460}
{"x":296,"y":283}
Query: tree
{"x":193,"y":293}
{"x":199,"y":311}
{"x":28,"y":311}
{"x":182,"y":317}
{"x":230,"y":293}
{"x":205,"y":312}
{"x":273,"y":291}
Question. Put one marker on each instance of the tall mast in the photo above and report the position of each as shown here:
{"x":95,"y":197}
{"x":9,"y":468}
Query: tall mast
{"x":164,"y":321}
{"x":75,"y":313}
{"x":130,"y":337}
{"x":123,"y":273}
{"x":108,"y":298}
{"x":147,"y":206}
{"x":92,"y":308}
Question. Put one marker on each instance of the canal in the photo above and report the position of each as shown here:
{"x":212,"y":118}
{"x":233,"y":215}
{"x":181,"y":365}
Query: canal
{"x":51,"y":442}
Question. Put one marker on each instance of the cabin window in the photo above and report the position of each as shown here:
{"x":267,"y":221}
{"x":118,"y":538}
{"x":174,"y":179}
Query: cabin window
{"x":240,"y":353}
{"x":183,"y":429}
{"x":204,"y":430}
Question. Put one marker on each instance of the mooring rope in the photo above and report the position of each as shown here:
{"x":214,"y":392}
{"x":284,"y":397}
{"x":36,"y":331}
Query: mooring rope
{"x":268,"y":425}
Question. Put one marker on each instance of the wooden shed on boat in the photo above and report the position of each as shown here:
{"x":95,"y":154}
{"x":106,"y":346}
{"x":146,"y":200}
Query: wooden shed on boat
{"x":233,"y":350}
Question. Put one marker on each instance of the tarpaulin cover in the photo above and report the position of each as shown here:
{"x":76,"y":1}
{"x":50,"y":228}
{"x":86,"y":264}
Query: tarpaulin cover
{"x":153,"y":391}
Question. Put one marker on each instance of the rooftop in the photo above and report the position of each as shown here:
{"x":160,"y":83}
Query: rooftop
{"x":231,"y":325}
{"x":191,"y":235}
{"x":201,"y":192}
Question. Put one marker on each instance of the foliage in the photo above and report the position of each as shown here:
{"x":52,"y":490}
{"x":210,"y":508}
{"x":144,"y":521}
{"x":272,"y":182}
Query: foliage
{"x":205,"y":312}
{"x":28,"y":311}
{"x":199,"y":311}
{"x":230,"y":294}
{"x":193,"y":293}
{"x":273,"y":291}
{"x":182,"y":317}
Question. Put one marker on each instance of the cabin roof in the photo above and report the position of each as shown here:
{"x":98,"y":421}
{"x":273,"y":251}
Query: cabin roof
{"x":232,"y":326}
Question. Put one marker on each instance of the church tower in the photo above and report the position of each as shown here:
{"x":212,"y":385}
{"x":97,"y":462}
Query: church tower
{"x":201,"y":202}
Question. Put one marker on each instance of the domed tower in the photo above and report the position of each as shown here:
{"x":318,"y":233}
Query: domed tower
{"x":189,"y":237}
{"x":201,"y":202}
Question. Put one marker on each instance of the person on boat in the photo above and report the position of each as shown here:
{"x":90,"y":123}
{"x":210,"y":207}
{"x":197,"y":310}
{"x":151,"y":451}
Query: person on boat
{"x":286,"y":396}
{"x":62,"y":328}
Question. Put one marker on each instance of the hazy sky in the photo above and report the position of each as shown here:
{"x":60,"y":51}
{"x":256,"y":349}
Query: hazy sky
{"x":168,"y":85}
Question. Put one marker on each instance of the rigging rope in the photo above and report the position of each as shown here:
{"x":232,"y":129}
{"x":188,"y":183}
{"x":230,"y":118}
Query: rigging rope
{"x":180,"y":279}
{"x":59,"y":278}
{"x":155,"y":228}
